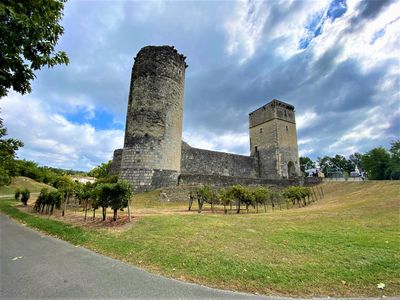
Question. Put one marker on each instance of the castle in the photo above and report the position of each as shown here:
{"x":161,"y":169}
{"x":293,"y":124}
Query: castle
{"x":154,"y":154}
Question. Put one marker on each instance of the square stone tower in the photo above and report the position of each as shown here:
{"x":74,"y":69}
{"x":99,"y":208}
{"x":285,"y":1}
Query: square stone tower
{"x":273,"y":140}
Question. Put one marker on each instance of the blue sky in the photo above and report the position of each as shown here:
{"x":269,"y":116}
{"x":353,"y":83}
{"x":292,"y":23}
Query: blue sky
{"x":336,"y":61}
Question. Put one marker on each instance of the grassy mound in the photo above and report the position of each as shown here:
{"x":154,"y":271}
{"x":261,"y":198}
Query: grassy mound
{"x":343,"y":245}
{"x":23,"y":182}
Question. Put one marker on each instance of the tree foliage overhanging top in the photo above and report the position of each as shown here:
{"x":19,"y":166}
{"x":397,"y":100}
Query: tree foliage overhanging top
{"x":29,"y":31}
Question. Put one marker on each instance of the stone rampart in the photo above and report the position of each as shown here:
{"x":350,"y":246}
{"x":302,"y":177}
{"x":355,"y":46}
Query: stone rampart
{"x":199,"y":161}
{"x":220,"y":180}
{"x":116,"y":163}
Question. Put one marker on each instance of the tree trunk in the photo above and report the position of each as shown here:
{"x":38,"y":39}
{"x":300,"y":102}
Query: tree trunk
{"x":129,"y":212}
{"x":94,"y":214}
{"x":257,"y":206}
{"x":43,"y":206}
{"x":115,"y":215}
{"x":65,"y":204}
{"x":200,"y":202}
{"x":265,"y":207}
{"x":104,"y":213}
{"x":86,"y":206}
{"x":238,"y":207}
{"x":225,"y":211}
{"x":212,"y":207}
{"x":190,"y":203}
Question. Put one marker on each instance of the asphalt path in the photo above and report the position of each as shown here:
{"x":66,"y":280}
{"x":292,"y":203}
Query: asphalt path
{"x":33,"y":265}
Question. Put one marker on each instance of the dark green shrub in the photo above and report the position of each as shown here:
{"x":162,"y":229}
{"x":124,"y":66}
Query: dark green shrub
{"x":25,"y":195}
{"x":17,"y":194}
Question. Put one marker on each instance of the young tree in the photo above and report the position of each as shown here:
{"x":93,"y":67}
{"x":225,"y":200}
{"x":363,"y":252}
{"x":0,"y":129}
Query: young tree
{"x":17,"y":194}
{"x":242,"y":195}
{"x":203,"y":194}
{"x":41,"y":200}
{"x":104,"y":194}
{"x":120,"y":196}
{"x":54,"y":200}
{"x":25,"y":195}
{"x":84,"y":194}
{"x":29,"y":31}
{"x":261,"y":196}
{"x":66,"y":185}
{"x":225,"y":197}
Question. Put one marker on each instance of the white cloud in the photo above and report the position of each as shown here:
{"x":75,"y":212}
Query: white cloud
{"x":372,"y":128}
{"x":50,"y":139}
{"x":255,"y":23}
{"x":245,"y":28}
{"x":356,"y":44}
{"x":218,"y":142}
{"x":305,"y":152}
{"x":306,"y":119}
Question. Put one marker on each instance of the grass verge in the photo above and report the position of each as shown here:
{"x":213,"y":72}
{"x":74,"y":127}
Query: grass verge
{"x":344,"y":245}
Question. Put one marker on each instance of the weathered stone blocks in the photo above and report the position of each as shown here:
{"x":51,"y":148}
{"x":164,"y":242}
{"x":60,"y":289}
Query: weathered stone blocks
{"x":154,"y":155}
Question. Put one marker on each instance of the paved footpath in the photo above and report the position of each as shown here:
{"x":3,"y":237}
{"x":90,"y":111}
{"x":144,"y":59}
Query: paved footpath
{"x":36,"y":266}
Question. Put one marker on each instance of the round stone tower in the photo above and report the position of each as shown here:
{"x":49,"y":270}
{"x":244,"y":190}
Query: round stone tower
{"x":151,"y":157}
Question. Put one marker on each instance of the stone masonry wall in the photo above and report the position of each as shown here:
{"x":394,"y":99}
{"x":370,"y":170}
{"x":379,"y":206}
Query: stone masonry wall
{"x":116,"y":163}
{"x":220,"y":180}
{"x":153,"y":132}
{"x":190,"y":182}
{"x":199,"y":161}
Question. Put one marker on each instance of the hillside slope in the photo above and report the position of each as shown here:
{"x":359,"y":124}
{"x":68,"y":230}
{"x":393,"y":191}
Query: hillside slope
{"x":23,"y":182}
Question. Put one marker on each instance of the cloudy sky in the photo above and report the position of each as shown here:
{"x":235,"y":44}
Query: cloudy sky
{"x":336,"y":61}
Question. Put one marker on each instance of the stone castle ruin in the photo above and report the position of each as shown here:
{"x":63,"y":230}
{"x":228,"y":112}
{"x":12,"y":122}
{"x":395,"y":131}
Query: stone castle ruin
{"x":155,"y":156}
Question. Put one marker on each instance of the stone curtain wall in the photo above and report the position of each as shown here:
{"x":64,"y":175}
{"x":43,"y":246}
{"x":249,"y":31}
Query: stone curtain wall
{"x":116,"y":163}
{"x":190,"y":182}
{"x":220,"y":180}
{"x":199,"y":161}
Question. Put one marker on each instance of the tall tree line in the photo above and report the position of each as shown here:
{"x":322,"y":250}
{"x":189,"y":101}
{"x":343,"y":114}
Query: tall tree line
{"x":379,"y":163}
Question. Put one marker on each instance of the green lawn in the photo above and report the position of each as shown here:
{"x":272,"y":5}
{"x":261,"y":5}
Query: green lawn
{"x":343,"y":245}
